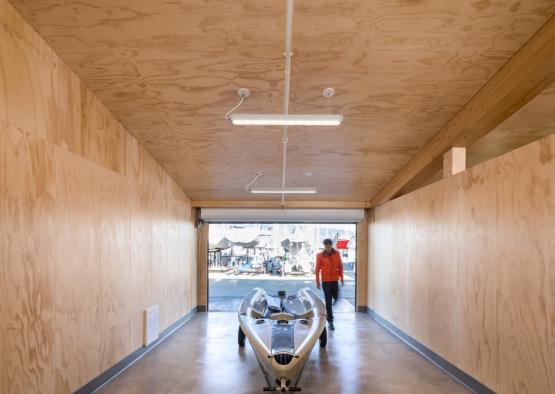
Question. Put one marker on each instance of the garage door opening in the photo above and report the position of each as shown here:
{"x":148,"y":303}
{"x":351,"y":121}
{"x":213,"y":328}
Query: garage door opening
{"x":274,"y":256}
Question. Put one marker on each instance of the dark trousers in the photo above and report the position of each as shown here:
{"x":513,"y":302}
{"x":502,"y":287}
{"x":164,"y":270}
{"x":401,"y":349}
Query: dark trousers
{"x":331,"y":290}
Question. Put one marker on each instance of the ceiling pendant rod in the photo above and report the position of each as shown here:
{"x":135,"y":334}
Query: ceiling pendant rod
{"x":284,"y":139}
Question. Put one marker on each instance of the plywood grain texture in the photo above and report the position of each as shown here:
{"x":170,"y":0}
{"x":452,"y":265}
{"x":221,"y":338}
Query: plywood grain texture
{"x":369,"y":272}
{"x":525,"y":75}
{"x":3,"y":290}
{"x":115,"y":250}
{"x":443,"y":269}
{"x":526,"y":188}
{"x":169,"y":72}
{"x":40,"y":94}
{"x":29,"y":256}
{"x":399,"y":269}
{"x":141,"y":259}
{"x":476,"y":301}
{"x":389,"y":282}
{"x":376,"y":272}
{"x":480,"y":257}
{"x":3,"y":325}
{"x":79,"y":326}
{"x":92,"y":229}
{"x":423,"y":241}
{"x":530,"y":123}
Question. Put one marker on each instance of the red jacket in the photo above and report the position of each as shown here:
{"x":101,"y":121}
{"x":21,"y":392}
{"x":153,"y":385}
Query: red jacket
{"x":330,"y":266}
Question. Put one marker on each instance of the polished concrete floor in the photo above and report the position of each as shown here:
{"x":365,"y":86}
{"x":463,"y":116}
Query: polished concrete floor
{"x":361,"y":357}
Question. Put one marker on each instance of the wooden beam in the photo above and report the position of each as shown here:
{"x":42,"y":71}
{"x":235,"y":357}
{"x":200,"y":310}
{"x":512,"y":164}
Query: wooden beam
{"x":527,"y":73}
{"x":202,"y":266}
{"x":454,"y":161}
{"x":275,"y":204}
{"x":362,"y":263}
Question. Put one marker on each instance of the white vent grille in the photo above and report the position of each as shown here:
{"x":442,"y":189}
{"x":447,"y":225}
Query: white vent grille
{"x":151,"y":324}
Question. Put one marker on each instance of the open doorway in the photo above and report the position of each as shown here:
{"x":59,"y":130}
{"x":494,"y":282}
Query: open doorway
{"x":274,"y":256}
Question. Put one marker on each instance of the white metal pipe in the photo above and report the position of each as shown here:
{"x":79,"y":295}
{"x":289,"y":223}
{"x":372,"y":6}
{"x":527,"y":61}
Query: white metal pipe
{"x":288,"y":40}
{"x":284,"y":164}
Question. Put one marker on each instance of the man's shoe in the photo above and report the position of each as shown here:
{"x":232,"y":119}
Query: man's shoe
{"x":330,"y":324}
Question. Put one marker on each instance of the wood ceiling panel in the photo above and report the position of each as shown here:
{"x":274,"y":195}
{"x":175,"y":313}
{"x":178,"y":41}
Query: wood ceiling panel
{"x":532,"y":122}
{"x":168,"y":71}
{"x":535,"y":120}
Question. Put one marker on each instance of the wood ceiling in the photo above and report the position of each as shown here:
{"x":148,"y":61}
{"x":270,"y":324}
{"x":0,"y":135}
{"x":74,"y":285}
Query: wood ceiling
{"x":533,"y":121}
{"x":169,"y":72}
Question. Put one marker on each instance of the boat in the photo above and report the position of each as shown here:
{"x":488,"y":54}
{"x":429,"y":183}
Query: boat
{"x":282,"y":331}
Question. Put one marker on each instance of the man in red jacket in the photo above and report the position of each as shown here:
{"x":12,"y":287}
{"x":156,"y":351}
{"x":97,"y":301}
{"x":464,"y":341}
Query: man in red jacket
{"x":330,"y":266}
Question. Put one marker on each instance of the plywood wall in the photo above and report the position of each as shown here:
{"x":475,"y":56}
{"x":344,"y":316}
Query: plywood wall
{"x":467,"y":267}
{"x":92,"y":230}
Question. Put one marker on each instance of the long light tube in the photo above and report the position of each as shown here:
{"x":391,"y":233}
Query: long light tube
{"x":285,"y":120}
{"x":290,"y":190}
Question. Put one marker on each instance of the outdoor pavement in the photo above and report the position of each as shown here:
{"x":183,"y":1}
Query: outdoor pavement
{"x":226,"y":290}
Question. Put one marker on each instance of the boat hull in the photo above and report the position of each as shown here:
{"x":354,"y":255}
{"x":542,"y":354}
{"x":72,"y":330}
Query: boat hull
{"x":282,"y":332}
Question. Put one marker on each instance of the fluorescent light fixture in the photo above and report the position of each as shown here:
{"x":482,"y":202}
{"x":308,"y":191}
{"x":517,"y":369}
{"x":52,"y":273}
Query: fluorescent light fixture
{"x":290,"y":190}
{"x":285,"y":120}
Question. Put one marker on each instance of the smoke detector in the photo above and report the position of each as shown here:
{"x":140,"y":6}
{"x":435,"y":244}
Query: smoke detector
{"x":328,"y":92}
{"x":243,"y":93}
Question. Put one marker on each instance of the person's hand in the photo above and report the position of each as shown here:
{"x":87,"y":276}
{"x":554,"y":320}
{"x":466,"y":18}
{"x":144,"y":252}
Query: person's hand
{"x":342,"y":283}
{"x":318,"y":286}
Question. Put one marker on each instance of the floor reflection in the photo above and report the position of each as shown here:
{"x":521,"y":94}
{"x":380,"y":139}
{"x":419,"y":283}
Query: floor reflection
{"x":361,"y":357}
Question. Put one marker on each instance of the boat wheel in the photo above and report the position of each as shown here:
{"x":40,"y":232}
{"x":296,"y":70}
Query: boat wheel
{"x":241,"y":337}
{"x":324,"y":338}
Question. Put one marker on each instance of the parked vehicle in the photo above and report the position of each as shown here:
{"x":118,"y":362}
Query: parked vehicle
{"x":304,"y":264}
{"x":275,"y":265}
{"x":250,"y":265}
